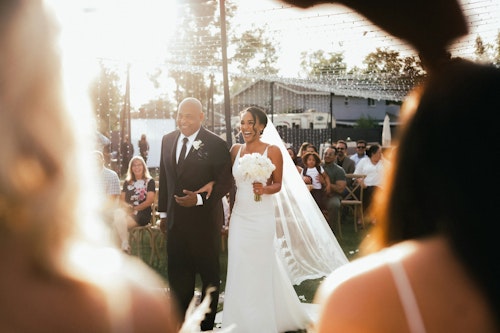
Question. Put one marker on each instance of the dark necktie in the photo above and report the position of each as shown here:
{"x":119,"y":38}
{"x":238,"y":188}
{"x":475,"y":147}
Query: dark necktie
{"x":182,"y":155}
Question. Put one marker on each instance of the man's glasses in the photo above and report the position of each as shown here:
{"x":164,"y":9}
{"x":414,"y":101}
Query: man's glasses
{"x":338,"y":148}
{"x":361,"y":147}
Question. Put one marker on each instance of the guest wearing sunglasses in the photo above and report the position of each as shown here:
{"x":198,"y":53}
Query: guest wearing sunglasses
{"x":342,"y":160}
{"x":360,"y":152}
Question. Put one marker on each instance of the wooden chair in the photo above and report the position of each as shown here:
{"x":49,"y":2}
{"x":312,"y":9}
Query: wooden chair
{"x":147,"y":242}
{"x":150,"y":235}
{"x":353,"y":199}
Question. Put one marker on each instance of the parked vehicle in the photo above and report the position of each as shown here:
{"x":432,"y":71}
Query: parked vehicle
{"x":307,"y":119}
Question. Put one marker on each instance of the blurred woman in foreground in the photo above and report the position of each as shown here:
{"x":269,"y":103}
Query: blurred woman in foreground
{"x":57,"y":276}
{"x":435,"y":269}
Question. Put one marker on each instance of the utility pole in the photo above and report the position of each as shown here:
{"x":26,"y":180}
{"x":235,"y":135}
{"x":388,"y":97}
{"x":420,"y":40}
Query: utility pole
{"x":211,"y":101}
{"x":331,"y":117}
{"x":227,"y":101}
{"x":125,"y":117}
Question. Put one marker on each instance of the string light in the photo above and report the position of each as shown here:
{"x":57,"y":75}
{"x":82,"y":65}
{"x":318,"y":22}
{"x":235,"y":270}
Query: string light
{"x":341,"y":30}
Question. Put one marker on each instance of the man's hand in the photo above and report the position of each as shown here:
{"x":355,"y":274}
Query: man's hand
{"x":189,"y":200}
{"x":225,"y":230}
{"x":163,"y":225}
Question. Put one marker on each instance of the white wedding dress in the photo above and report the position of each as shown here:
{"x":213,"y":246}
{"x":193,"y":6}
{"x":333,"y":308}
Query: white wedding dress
{"x":259,"y":295}
{"x":274,"y":243}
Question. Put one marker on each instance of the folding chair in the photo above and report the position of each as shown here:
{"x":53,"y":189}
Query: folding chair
{"x":353,"y":199}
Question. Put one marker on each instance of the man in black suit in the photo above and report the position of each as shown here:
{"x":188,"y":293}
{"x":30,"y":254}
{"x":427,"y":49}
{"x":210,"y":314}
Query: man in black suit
{"x":192,"y":220}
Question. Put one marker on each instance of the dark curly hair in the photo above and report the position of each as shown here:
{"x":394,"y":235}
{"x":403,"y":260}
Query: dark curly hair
{"x":257,"y":114}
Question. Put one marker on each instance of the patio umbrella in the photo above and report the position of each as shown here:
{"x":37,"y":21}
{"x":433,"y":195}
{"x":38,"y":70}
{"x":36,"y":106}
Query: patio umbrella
{"x":386,"y":132}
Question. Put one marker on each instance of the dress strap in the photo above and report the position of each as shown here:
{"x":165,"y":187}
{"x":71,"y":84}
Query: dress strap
{"x":407,"y":297}
{"x":239,"y":154}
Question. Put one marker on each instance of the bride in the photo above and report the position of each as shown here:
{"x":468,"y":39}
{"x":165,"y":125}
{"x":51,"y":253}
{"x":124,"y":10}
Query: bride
{"x":262,"y":264}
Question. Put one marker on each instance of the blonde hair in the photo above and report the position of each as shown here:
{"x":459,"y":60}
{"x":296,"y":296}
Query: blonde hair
{"x":145,"y":171}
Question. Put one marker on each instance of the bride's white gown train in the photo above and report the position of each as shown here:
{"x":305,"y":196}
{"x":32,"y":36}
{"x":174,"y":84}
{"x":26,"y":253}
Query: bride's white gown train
{"x":259,"y":295}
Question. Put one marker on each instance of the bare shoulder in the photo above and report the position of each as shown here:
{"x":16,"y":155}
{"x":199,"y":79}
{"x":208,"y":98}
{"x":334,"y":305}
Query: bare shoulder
{"x":235,"y":147}
{"x":361,"y":296}
{"x":234,"y":150}
{"x":347,"y":276}
{"x":274,"y":152}
{"x":351,"y":295}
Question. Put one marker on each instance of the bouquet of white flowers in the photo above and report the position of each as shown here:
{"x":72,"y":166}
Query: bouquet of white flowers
{"x":256,"y":168}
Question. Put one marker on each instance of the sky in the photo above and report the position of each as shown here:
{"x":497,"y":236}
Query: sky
{"x":135,"y":31}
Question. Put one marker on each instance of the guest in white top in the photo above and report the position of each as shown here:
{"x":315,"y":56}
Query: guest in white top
{"x":314,"y":174}
{"x":373,"y":168}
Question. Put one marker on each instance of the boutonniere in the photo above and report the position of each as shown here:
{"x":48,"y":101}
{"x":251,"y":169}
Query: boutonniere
{"x":198,"y":147}
{"x":197,"y":144}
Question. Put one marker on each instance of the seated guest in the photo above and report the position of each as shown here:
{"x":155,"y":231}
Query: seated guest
{"x":293,"y":155}
{"x":342,"y":160}
{"x":302,"y":151}
{"x":360,"y":152}
{"x":373,"y":167}
{"x":338,"y":183}
{"x":138,"y":196}
{"x":315,"y":175}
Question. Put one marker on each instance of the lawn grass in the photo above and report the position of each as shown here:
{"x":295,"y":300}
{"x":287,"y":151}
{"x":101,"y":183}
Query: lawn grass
{"x":349,"y":243}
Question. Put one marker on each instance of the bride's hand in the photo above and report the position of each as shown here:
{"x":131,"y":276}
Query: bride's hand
{"x":258,"y":188}
{"x":208,"y":187}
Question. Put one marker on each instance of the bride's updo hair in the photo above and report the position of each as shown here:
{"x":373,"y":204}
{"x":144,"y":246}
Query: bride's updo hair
{"x":257,"y":113}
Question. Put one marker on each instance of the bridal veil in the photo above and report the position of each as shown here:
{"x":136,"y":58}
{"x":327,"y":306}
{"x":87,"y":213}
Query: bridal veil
{"x":304,"y":241}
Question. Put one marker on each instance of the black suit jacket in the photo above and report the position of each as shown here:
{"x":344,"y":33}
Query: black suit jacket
{"x":211,"y":161}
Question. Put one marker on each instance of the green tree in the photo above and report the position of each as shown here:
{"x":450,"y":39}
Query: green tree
{"x":320,"y":63}
{"x":157,"y":109}
{"x":195,"y":51}
{"x":254,"y":53}
{"x":412,"y":67}
{"x":383,"y":61}
{"x":246,"y":57}
{"x":366,"y":122}
{"x":107,"y":99}
{"x":481,"y":50}
{"x":496,"y":58}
